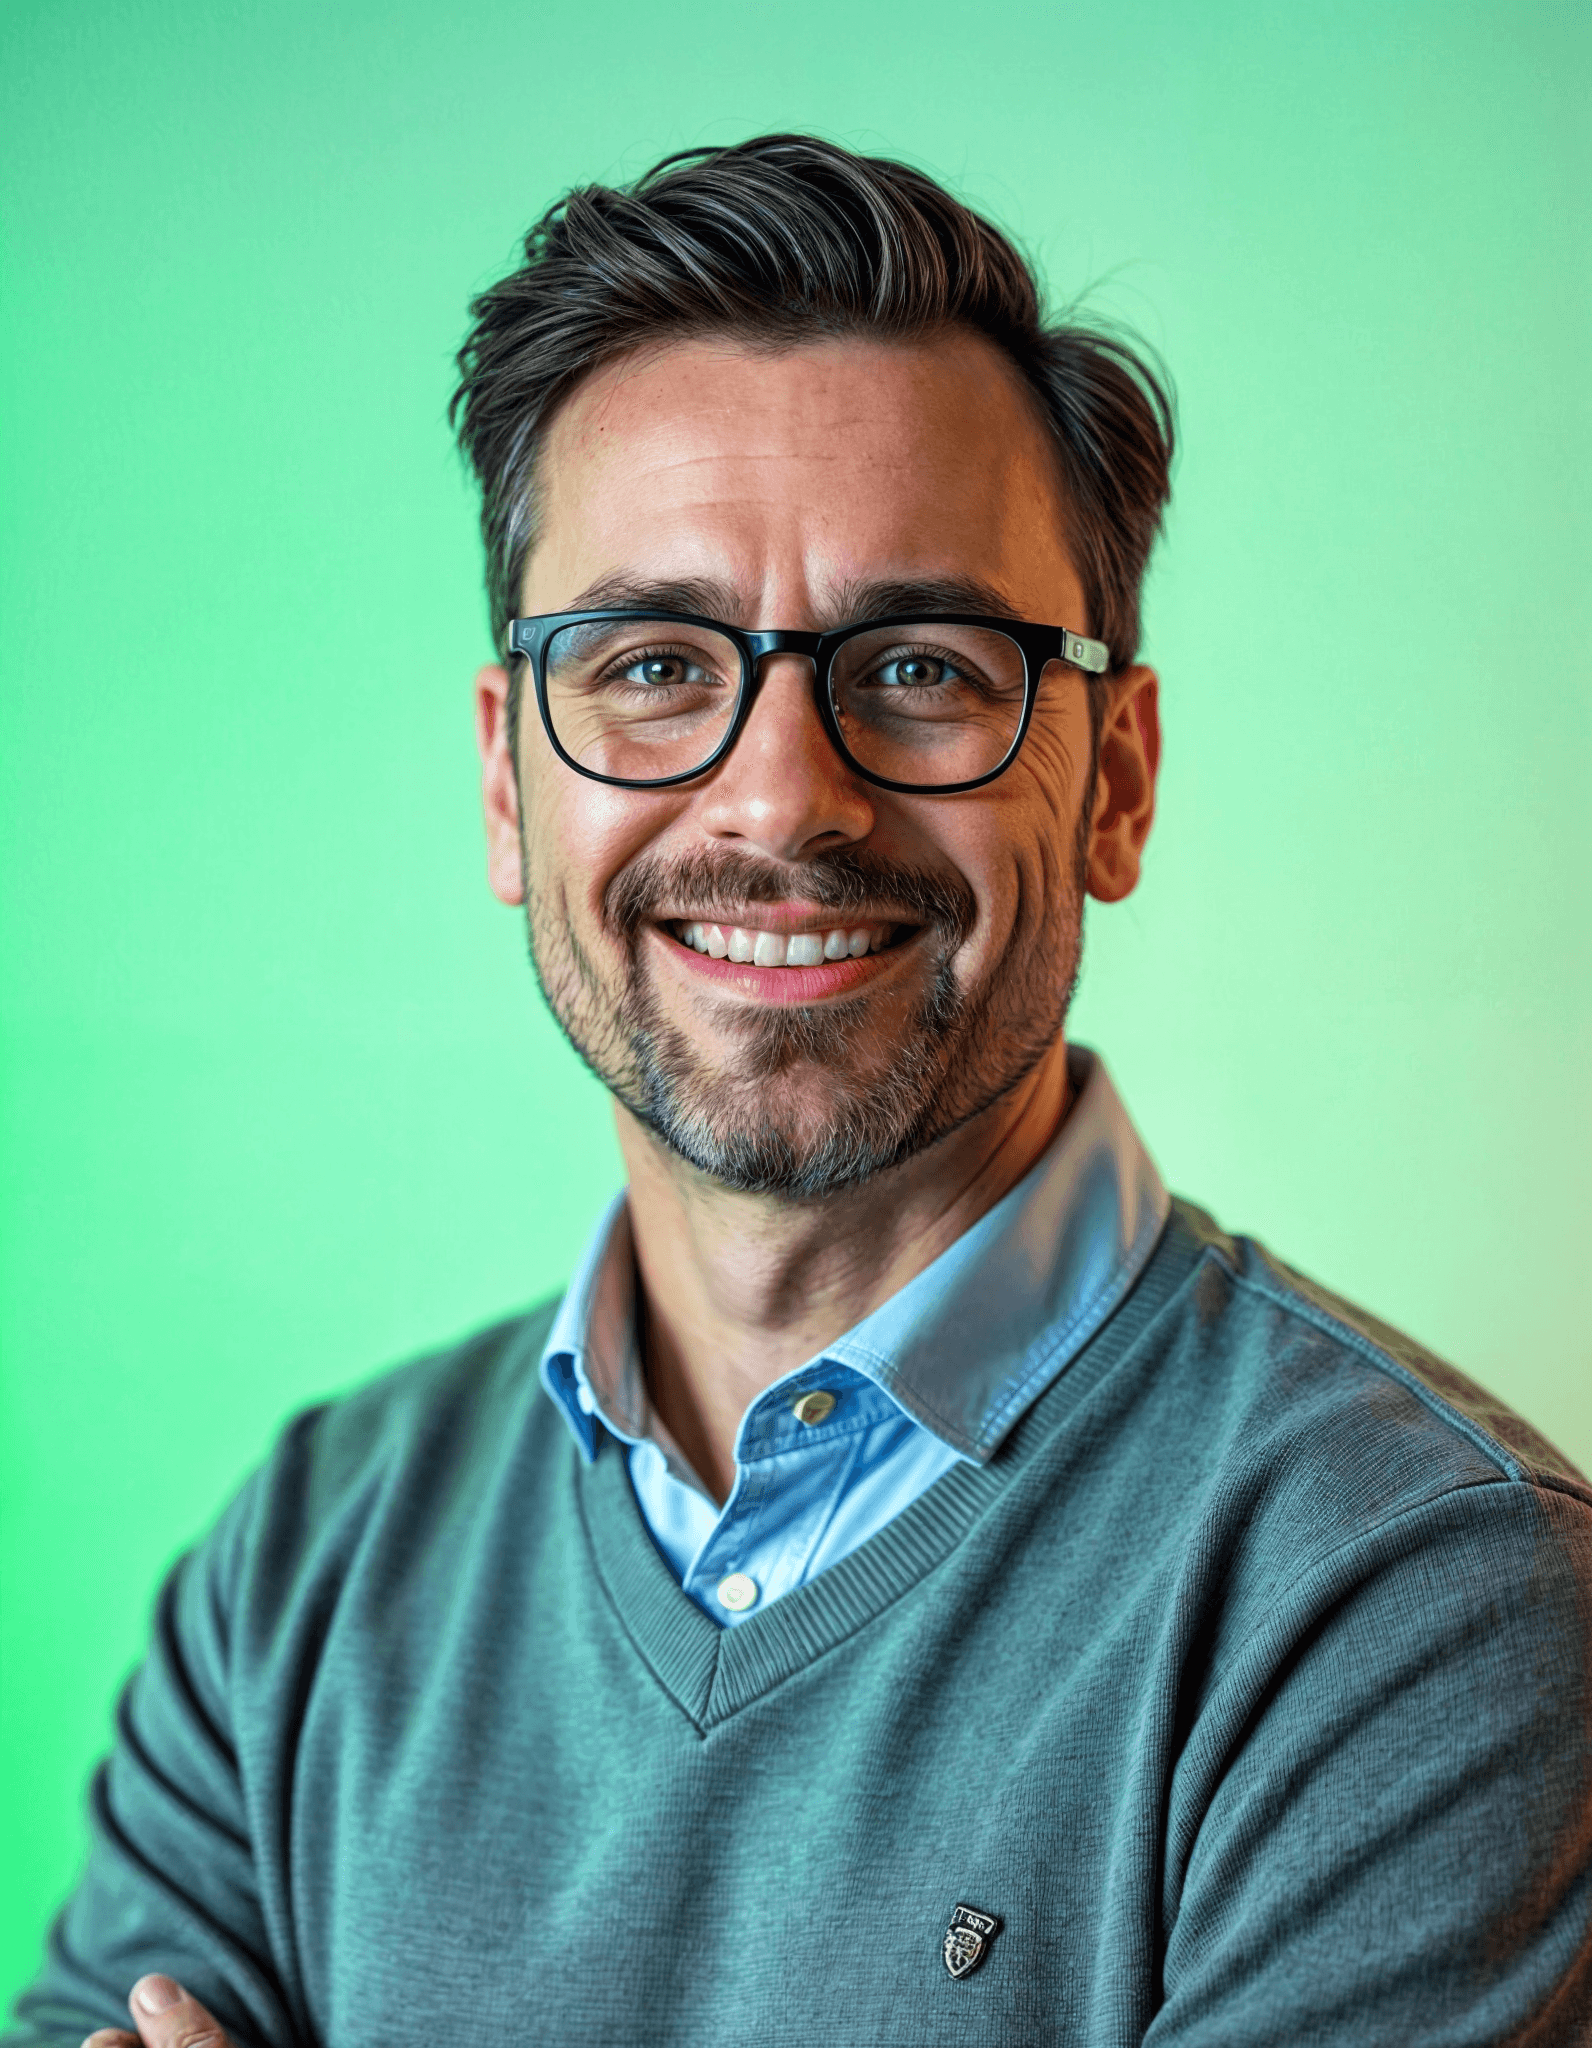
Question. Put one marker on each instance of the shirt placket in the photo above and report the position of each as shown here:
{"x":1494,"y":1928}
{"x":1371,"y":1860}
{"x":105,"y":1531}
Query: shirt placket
{"x":759,"y":1547}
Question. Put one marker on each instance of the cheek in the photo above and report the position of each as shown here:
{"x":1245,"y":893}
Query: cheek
{"x":1017,"y":847}
{"x":1054,"y":763}
{"x":579,"y":835}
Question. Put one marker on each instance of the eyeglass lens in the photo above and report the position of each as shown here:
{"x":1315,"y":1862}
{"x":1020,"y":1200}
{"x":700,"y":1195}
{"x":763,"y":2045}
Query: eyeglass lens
{"x":643,"y":699}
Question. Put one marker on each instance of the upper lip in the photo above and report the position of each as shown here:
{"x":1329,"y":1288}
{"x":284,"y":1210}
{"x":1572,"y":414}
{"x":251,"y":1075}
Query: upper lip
{"x":784,"y":918}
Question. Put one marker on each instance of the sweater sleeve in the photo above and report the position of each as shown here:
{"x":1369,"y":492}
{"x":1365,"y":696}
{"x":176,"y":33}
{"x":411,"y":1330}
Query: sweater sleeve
{"x":1382,"y":1826}
{"x":170,"y":1882}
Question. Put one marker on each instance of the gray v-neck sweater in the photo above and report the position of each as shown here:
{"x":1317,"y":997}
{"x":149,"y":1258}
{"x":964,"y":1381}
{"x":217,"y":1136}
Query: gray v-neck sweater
{"x":1246,"y":1691}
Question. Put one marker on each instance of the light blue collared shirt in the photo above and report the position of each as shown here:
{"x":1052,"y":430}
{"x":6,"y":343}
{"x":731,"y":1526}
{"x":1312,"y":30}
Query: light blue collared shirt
{"x":936,"y":1375}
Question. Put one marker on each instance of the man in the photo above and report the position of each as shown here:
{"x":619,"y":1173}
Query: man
{"x":921,"y":1584}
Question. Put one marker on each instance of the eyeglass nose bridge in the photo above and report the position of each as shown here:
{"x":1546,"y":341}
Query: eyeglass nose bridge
{"x":759,"y":647}
{"x":781,"y":641}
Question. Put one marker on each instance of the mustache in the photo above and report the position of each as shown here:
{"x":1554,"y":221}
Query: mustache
{"x":717,"y":886}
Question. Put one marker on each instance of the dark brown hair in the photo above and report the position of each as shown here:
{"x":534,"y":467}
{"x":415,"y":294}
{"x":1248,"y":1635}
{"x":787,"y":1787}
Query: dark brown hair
{"x":778,"y":241}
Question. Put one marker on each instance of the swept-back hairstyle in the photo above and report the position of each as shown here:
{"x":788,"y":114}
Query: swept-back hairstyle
{"x":778,"y":241}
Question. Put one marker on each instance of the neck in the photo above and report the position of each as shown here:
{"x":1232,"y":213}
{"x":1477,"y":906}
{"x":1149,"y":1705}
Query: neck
{"x":736,"y":1290}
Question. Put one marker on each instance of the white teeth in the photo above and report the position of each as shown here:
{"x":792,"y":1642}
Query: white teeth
{"x":749,"y":947}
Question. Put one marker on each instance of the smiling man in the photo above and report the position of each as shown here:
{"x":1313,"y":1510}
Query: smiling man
{"x":921,"y":1583}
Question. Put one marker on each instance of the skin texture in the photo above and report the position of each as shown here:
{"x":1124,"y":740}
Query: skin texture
{"x":788,"y":485}
{"x":784,"y":489}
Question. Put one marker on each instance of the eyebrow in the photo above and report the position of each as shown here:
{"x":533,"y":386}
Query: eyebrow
{"x":852,"y":602}
{"x":623,"y":592}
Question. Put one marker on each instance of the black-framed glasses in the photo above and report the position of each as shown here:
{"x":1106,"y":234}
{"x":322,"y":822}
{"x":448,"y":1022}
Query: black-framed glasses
{"x":924,"y":705}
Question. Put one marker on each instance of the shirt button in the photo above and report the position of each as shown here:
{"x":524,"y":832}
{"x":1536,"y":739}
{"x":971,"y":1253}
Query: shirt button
{"x":737,"y":1592}
{"x":813,"y":1407}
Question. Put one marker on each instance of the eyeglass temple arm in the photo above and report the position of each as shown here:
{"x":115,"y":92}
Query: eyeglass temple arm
{"x":1093,"y":655}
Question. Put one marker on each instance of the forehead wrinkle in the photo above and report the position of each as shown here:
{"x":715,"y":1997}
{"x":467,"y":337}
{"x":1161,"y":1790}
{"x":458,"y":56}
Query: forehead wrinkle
{"x":605,"y":418}
{"x":657,"y":457}
{"x":609,"y":434}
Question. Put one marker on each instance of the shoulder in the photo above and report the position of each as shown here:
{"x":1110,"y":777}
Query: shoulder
{"x":1297,"y":1345}
{"x":1298,"y":1429}
{"x":443,"y":1406}
{"x":1315,"y":1494}
{"x":385,"y":1472}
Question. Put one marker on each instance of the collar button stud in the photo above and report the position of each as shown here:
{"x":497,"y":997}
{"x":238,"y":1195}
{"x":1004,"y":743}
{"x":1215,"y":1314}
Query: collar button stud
{"x":813,"y":1407}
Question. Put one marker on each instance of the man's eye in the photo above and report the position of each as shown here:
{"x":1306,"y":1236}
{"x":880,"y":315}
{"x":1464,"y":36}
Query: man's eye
{"x":916,"y":672}
{"x":663,"y":672}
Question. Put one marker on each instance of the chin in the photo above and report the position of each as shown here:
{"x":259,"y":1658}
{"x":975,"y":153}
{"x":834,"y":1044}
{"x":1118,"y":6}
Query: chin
{"x":806,"y":1133}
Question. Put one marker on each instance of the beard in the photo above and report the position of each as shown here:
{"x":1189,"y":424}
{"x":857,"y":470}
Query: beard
{"x":748,"y":1121}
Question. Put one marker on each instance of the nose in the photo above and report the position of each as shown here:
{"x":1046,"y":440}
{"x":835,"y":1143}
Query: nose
{"x":783,"y":790}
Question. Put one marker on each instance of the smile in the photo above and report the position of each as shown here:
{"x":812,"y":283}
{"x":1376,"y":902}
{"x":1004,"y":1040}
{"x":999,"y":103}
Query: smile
{"x":747,"y":946}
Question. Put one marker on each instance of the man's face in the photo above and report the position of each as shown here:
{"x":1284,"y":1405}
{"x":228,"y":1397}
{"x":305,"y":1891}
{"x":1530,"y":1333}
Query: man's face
{"x":804,"y":490}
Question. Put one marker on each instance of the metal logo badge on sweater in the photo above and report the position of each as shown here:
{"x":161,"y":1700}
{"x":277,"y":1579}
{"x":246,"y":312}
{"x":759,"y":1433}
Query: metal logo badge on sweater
{"x":967,"y":1940}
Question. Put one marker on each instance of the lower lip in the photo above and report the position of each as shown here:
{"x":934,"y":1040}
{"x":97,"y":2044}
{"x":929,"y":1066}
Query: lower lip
{"x":785,"y":984}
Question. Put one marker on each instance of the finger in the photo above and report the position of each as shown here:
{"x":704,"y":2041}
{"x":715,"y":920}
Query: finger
{"x":111,"y":2037}
{"x":169,"y":2017}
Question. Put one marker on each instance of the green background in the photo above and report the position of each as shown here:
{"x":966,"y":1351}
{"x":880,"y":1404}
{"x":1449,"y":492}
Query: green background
{"x":280,"y":1101}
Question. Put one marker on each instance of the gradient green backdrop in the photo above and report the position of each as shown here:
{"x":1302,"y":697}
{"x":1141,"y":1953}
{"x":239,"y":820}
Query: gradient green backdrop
{"x":280,"y":1101}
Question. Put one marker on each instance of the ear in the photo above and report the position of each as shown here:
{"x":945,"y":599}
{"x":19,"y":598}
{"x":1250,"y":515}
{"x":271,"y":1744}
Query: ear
{"x":1130,"y":755}
{"x":500,"y":795}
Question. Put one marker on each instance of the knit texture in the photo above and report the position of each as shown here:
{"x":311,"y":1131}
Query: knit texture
{"x":1248,"y":1685}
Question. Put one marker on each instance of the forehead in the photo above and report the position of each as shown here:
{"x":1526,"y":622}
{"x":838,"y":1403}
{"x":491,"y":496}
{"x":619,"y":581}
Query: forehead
{"x":788,"y":475}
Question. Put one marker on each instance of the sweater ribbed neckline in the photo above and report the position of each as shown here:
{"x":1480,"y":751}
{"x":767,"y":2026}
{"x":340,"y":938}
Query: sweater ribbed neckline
{"x":711,"y":1672}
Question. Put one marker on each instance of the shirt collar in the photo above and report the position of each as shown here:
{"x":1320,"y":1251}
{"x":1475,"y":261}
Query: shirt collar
{"x":590,"y":1363}
{"x":969,"y":1342}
